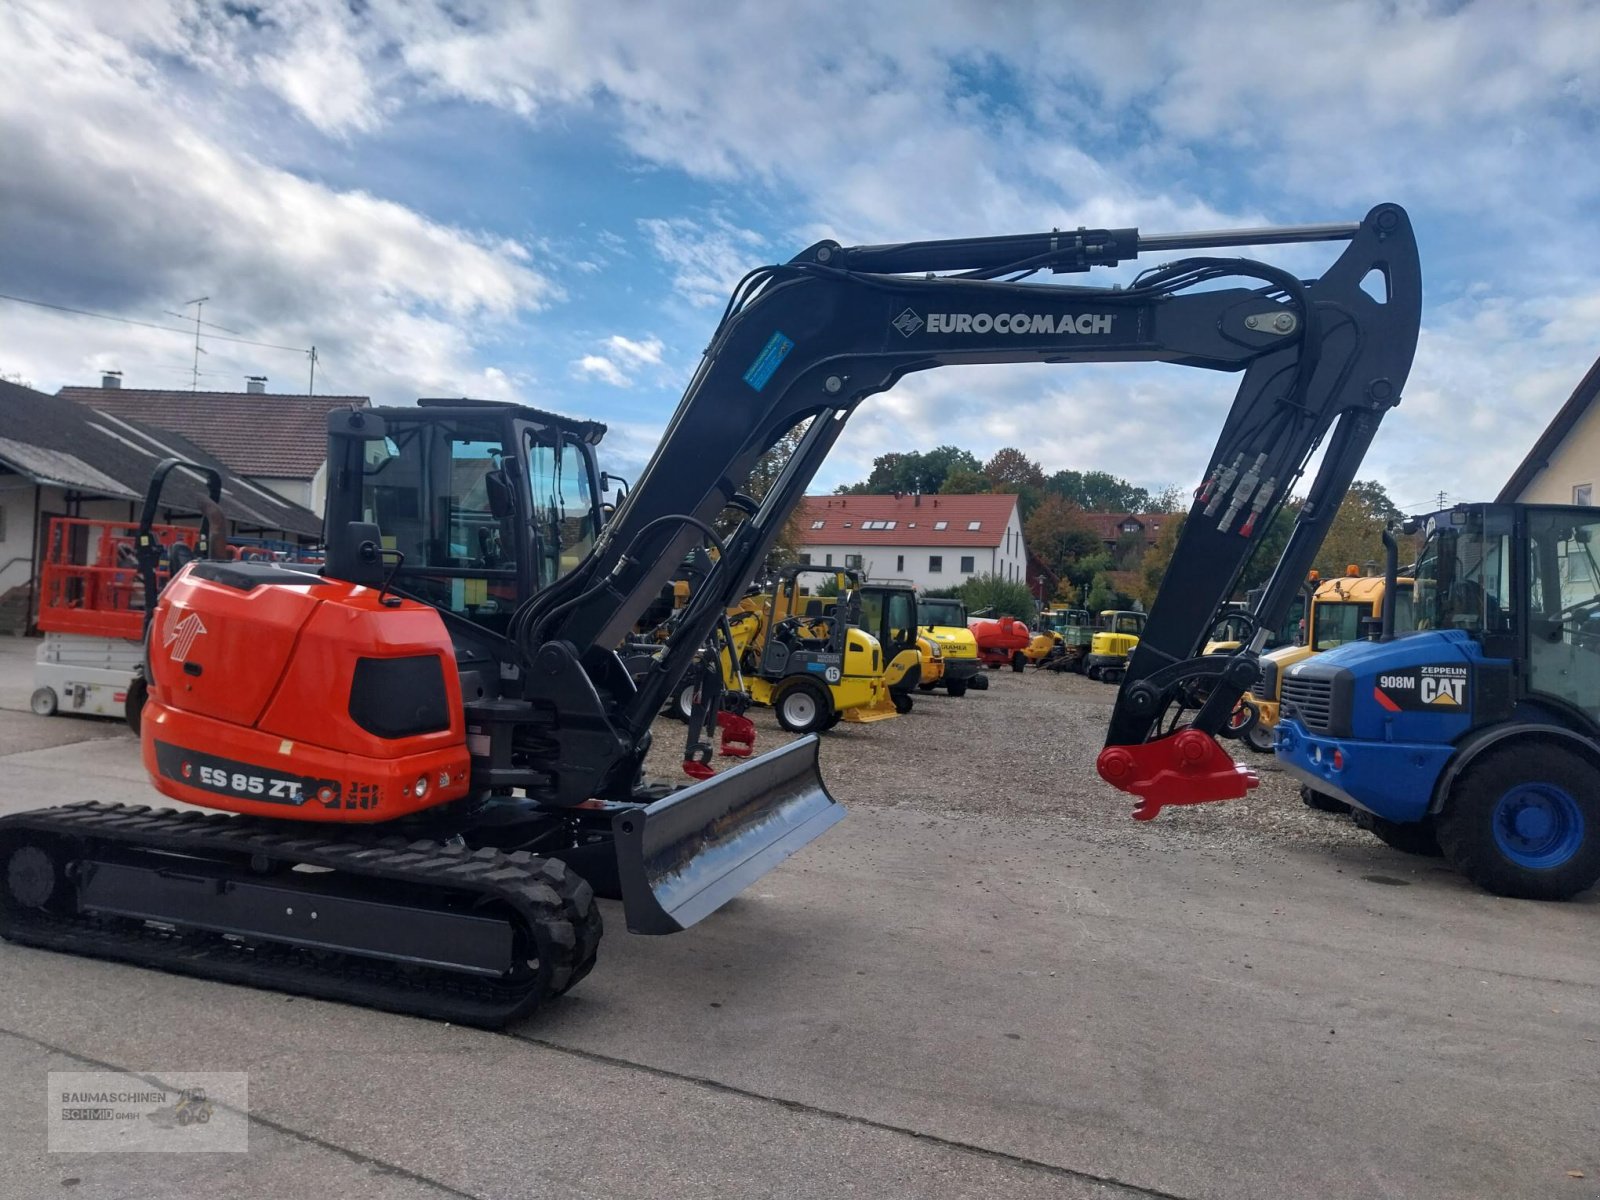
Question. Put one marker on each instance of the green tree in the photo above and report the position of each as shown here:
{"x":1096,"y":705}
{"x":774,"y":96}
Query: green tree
{"x":1099,"y":491}
{"x":1058,"y":534}
{"x":1103,"y":594}
{"x":965,"y":482}
{"x":913,"y":471}
{"x":1008,"y":597}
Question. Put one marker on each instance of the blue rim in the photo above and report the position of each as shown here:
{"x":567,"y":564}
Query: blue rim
{"x":1538,"y":825}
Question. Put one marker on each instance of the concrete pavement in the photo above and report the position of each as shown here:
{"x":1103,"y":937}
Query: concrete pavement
{"x":917,"y":1005}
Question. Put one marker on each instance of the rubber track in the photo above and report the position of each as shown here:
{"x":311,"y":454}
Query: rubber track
{"x":544,"y":893}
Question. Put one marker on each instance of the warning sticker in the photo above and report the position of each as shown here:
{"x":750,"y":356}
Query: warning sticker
{"x":1440,"y":688}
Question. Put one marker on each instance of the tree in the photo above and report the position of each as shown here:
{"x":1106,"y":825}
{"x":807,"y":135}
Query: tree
{"x":1008,"y":597}
{"x":1011,"y":469}
{"x":1103,"y":594}
{"x":1174,"y":498}
{"x":1356,"y":535}
{"x":965,"y":482}
{"x":1099,"y":491}
{"x":913,"y":471}
{"x":1156,"y":559}
{"x":1058,"y":534}
{"x":768,"y":467}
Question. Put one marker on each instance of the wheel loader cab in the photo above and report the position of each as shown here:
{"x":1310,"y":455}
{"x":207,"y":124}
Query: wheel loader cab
{"x":477,"y":505}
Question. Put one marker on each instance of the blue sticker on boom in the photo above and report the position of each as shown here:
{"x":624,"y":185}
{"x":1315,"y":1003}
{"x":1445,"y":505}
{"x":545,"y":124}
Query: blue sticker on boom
{"x":768,"y":361}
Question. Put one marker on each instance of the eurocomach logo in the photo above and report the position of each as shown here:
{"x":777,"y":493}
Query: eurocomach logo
{"x":1083,"y":323}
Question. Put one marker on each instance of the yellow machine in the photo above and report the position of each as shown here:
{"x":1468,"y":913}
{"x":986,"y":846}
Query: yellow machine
{"x":944,"y":623}
{"x":1339,"y":608}
{"x":889,"y":613}
{"x":1116,"y":635}
{"x":805,"y":656}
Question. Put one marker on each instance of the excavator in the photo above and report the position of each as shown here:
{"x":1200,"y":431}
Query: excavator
{"x":424,"y":760}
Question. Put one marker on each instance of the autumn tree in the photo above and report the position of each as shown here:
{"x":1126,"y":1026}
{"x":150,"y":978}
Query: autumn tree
{"x":1058,"y":534}
{"x":768,"y":467}
{"x":1356,"y":535}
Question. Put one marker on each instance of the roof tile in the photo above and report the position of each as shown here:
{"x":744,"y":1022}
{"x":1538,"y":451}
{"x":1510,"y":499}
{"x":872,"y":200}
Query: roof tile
{"x":274,"y":434}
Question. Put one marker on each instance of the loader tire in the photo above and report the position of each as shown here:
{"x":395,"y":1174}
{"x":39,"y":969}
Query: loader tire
{"x":956,"y":687}
{"x":979,"y":683}
{"x":902,"y":702}
{"x":1525,"y":825}
{"x":1019,"y":662}
{"x":133,"y":705}
{"x":803,"y":707}
{"x":1260,"y":738}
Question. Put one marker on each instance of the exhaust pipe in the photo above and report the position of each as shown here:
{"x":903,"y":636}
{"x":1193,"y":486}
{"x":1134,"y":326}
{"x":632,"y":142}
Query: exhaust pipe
{"x":1391,"y":573}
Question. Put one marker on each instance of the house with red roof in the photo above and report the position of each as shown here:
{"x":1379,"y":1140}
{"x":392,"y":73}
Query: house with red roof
{"x":932,"y":541}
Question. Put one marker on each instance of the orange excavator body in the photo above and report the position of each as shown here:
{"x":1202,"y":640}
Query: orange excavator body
{"x":318,"y":700}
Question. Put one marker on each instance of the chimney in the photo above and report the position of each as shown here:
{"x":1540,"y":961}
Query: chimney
{"x":111,"y":379}
{"x":916,"y":500}
{"x":255,"y":385}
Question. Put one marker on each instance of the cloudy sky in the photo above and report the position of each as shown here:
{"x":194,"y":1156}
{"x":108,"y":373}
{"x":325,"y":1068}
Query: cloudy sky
{"x":549,"y":201}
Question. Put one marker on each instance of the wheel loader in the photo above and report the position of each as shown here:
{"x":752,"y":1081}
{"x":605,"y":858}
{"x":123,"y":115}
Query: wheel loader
{"x":944,"y":622}
{"x":806,"y":657}
{"x":424,"y":760}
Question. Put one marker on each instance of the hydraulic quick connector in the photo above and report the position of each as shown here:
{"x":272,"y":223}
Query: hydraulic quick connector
{"x":1224,"y":484}
{"x":1242,"y":494}
{"x":1263,"y":498}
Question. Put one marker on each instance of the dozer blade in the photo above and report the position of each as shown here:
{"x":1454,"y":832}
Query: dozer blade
{"x":683,"y":857}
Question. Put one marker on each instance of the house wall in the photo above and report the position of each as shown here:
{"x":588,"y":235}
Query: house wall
{"x":1575,"y":464}
{"x":295,"y":491}
{"x":16,"y":530}
{"x":1009,"y":559}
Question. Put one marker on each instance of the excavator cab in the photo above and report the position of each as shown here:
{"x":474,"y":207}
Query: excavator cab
{"x":477,"y":505}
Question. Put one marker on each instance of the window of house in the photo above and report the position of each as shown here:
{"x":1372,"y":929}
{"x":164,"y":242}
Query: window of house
{"x":941,"y":524}
{"x":848,"y":524}
{"x":1581,"y":494}
{"x":890,"y":524}
{"x":1130,"y":527}
{"x":828,"y":562}
{"x":899,"y":562}
{"x":818,"y":524}
{"x":974,"y":525}
{"x":966,"y":564}
{"x":805,"y":560}
{"x":935,"y":563}
{"x":853,"y":561}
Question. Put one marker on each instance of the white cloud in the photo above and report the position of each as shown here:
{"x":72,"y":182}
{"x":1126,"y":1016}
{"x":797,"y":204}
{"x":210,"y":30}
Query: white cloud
{"x":645,"y":353}
{"x":131,"y":207}
{"x":603,"y":369}
{"x":708,"y":257}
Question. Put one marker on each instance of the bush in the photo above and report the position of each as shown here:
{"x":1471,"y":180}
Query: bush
{"x":1008,"y":598}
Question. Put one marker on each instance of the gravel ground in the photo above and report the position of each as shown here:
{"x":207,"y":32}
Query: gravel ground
{"x":1026,"y":748}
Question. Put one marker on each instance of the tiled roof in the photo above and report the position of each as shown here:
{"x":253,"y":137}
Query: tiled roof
{"x":273,"y":434}
{"x":917,"y":520}
{"x":1108,"y":526}
{"x":55,"y":442}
